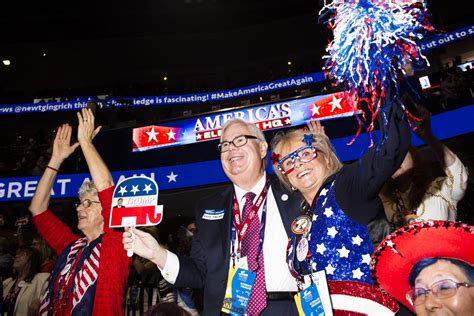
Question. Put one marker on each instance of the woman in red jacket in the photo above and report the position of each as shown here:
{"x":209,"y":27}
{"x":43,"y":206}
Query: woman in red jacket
{"x":91,"y":270}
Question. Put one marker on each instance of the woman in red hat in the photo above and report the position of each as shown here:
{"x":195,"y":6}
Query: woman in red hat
{"x":429,"y":267}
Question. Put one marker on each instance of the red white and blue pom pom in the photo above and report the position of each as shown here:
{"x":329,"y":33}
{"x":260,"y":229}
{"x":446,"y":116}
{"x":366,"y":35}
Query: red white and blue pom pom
{"x":374,"y":41}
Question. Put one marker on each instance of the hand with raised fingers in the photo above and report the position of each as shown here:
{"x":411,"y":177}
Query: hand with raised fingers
{"x":315,"y":127}
{"x":86,"y":130}
{"x":62,"y":147}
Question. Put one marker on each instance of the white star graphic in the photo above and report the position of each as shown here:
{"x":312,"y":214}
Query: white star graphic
{"x":314,"y":265}
{"x":357,"y":240}
{"x":185,"y":133}
{"x":335,"y":103}
{"x":315,"y":217}
{"x":324,"y":201}
{"x":332,"y":232}
{"x":320,"y":248}
{"x":390,"y":243}
{"x":328,"y":211}
{"x":343,"y":252}
{"x":324,"y":192}
{"x":330,"y":269}
{"x":152,"y":135}
{"x":171,"y":177}
{"x":357,"y":274}
{"x":198,"y":136}
{"x":366,"y":259}
{"x":171,"y":135}
{"x":288,"y":121}
{"x":315,"y":110}
{"x":123,"y":190}
{"x":134,"y":189}
{"x":147,"y":188}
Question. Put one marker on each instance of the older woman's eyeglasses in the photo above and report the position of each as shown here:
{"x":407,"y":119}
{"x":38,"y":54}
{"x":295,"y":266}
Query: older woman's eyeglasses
{"x":441,"y":289}
{"x":303,"y":154}
{"x":238,"y":141}
{"x":86,"y":203}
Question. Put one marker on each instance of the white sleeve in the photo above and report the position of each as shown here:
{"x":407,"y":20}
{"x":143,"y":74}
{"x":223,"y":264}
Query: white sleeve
{"x":171,"y":269}
{"x":456,"y":182}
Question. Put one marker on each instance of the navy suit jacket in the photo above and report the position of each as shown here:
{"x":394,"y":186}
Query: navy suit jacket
{"x":208,"y":265}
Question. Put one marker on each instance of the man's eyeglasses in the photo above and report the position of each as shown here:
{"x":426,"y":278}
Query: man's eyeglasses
{"x":238,"y":141}
{"x":86,"y":203}
{"x":441,"y":289}
{"x":303,"y":154}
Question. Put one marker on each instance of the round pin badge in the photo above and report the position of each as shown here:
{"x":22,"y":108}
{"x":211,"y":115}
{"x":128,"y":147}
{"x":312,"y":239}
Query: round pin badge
{"x":301,"y":225}
{"x":302,"y":249}
{"x":66,"y":269}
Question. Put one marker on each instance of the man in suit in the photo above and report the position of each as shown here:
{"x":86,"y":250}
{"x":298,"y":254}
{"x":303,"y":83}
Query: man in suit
{"x":243,"y":151}
{"x":119,"y":203}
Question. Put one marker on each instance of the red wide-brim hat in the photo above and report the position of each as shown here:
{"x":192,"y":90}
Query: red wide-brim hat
{"x":350,"y":298}
{"x":396,"y":255}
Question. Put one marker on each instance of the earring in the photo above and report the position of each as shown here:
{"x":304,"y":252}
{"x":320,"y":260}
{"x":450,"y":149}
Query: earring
{"x":293,"y":188}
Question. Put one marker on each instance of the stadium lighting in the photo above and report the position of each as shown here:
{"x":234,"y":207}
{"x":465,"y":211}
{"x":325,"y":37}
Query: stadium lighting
{"x":6,"y":62}
{"x":165,"y":78}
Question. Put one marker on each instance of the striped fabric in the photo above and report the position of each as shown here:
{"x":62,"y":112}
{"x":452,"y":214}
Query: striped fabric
{"x":85,"y":277}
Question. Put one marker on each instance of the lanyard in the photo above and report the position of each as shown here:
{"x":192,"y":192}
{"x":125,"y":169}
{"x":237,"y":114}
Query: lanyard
{"x":239,"y":230}
{"x":65,"y":287}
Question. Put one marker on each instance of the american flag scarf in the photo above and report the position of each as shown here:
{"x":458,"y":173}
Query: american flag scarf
{"x":82,"y":287}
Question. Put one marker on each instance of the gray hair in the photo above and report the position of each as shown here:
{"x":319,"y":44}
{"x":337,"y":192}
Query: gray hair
{"x":87,"y":187}
{"x":253,"y":130}
{"x":251,"y":126}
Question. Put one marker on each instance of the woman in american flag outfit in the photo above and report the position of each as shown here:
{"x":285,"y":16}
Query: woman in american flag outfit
{"x":91,"y":270}
{"x":341,"y":200}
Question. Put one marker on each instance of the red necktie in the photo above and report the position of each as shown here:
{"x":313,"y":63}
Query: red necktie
{"x":250,"y":244}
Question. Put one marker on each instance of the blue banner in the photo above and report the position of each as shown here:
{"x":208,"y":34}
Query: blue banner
{"x":446,"y":38}
{"x":449,"y":124}
{"x":260,"y":88}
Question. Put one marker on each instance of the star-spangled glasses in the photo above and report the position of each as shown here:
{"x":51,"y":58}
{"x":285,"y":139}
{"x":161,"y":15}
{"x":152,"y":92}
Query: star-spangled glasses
{"x":441,"y":289}
{"x":303,"y":154}
{"x":238,"y":141}
{"x":86,"y":203}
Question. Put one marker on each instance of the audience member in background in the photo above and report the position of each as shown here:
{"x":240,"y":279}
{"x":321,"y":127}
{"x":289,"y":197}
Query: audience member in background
{"x":99,"y":254}
{"x":188,"y":298}
{"x":6,"y":259}
{"x":449,"y":90}
{"x":429,"y":267}
{"x":413,"y":194}
{"x":6,"y":262}
{"x":341,"y":201}
{"x":150,"y":277}
{"x":47,"y":255}
{"x":147,"y":286}
{"x":166,"y":309}
{"x":22,"y":291}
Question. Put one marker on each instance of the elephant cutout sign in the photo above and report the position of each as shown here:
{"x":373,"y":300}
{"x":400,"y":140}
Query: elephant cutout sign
{"x":135,"y":203}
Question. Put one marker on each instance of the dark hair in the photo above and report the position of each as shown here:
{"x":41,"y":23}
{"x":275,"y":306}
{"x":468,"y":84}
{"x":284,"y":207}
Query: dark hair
{"x":34,"y":259}
{"x":166,"y":309}
{"x":466,"y":268}
{"x":421,"y":179}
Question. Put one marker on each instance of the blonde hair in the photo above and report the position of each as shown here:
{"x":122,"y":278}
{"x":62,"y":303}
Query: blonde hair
{"x":254,"y":130}
{"x":281,"y":141}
